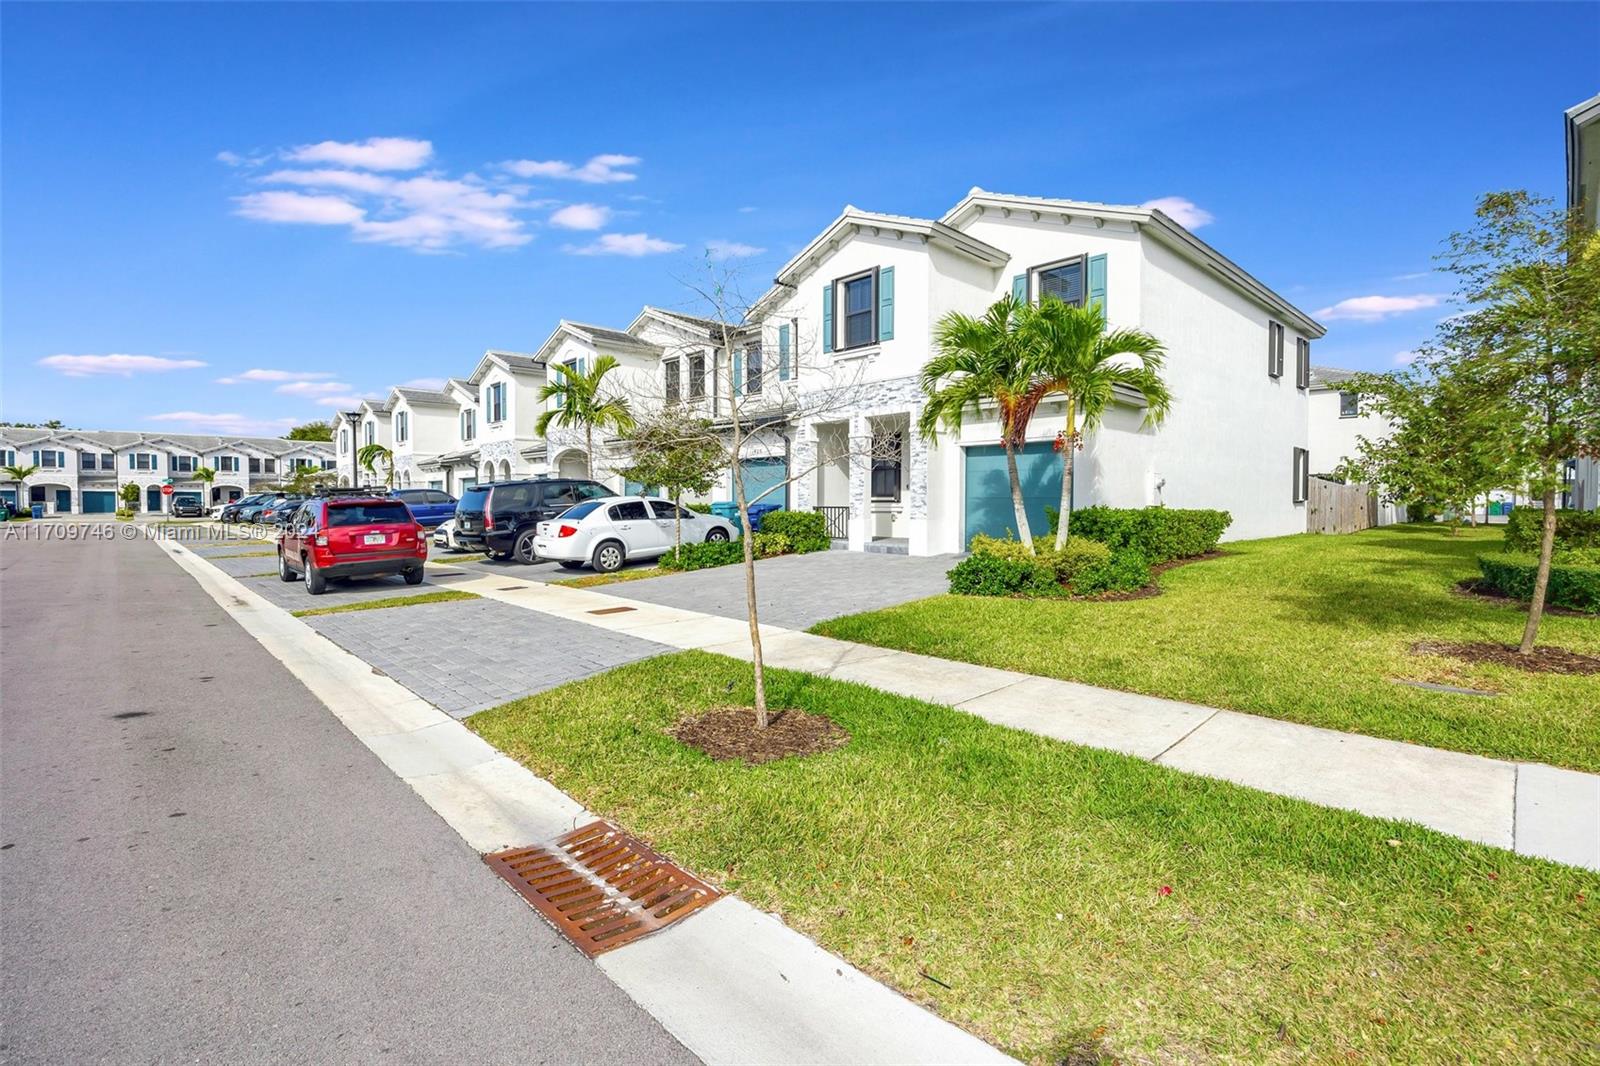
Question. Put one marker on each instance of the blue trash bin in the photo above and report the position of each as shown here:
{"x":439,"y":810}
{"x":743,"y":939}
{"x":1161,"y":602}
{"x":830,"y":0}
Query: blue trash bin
{"x":38,"y":510}
{"x":726,"y":509}
{"x":760,"y":511}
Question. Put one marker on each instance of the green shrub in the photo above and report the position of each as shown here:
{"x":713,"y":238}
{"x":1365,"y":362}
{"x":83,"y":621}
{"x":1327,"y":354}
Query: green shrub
{"x":702,"y":556}
{"x":1078,"y":555}
{"x":1160,"y":534}
{"x":988,"y":574}
{"x":1571,"y":585}
{"x":1124,"y":571}
{"x":807,"y":530}
{"x":765,"y":544}
{"x":1574,"y":529}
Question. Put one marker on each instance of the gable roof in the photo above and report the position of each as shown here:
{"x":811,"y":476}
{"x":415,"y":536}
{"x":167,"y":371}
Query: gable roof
{"x":423,"y":396}
{"x":1327,"y":377}
{"x":596,"y":337}
{"x":375,"y":406}
{"x":853,"y":220}
{"x":514,"y":362}
{"x":1151,"y":221}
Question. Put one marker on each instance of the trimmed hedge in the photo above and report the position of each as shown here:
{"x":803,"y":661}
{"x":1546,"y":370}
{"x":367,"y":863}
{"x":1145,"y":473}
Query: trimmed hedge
{"x":1160,"y":534}
{"x":703,"y":555}
{"x":807,"y":531}
{"x":1571,"y":585}
{"x":1003,"y":567}
{"x":1574,"y":529}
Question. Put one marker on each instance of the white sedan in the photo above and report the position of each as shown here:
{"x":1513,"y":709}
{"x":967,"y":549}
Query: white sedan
{"x":619,"y":529}
{"x":444,"y":536}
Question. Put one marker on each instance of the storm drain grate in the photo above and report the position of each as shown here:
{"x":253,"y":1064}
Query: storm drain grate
{"x":612,"y":610}
{"x":601,"y":888}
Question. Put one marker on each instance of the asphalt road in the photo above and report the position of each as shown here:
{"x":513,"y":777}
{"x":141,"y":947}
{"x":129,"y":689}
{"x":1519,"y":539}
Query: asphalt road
{"x":198,"y":862}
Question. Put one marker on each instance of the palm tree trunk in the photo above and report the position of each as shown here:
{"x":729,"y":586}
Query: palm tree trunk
{"x":1017,"y":507}
{"x":1068,"y":453}
{"x":588,"y":448}
{"x":1547,"y":543}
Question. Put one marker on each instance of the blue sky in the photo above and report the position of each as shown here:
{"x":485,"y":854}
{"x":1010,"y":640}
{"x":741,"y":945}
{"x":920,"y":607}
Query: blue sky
{"x":345,"y":197}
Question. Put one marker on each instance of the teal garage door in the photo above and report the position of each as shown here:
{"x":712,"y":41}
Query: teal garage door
{"x":99,"y":502}
{"x":987,"y":503}
{"x":761,"y":475}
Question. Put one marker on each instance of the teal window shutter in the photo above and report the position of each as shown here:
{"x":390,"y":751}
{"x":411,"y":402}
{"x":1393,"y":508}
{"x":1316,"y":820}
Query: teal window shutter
{"x":783,"y":353}
{"x":1019,"y":288}
{"x":35,"y":458}
{"x":886,"y":304}
{"x":1097,"y":282}
{"x":827,"y":317}
{"x":738,"y":370}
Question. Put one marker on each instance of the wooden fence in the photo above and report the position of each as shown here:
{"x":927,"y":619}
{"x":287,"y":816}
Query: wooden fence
{"x":1335,"y":508}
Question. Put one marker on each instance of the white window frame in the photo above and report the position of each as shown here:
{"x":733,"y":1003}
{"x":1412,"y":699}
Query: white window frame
{"x":841,"y":316}
{"x":1083,"y":277}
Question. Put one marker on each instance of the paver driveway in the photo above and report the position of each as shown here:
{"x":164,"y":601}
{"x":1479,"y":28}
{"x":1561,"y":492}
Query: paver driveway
{"x":798,"y":591}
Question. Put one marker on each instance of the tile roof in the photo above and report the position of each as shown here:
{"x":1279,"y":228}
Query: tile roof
{"x":423,"y":395}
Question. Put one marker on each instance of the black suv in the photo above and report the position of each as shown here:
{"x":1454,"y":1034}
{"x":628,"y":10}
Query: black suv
{"x":500,"y":518}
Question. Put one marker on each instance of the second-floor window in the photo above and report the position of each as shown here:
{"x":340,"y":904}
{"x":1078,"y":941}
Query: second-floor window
{"x":1349,"y":405}
{"x":183,"y":464}
{"x":142,"y":461}
{"x":858,"y":308}
{"x":52,"y":460}
{"x":752,"y":368}
{"x":672,"y":382}
{"x":497,"y":402}
{"x":469,"y":424}
{"x":1275,"y":349}
{"x":1302,"y":363}
{"x":344,"y":440}
{"x":1062,"y":280}
{"x":330,"y":464}
{"x":402,"y":426}
{"x":87,"y":460}
{"x":697,"y":375}
{"x":228,"y":464}
{"x":370,"y":430}
{"x":269,"y":466}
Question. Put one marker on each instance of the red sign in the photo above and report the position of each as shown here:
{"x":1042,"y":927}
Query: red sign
{"x":166,"y":490}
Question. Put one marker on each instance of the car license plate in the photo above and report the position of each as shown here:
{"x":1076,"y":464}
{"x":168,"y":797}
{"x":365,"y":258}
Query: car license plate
{"x":374,"y":538}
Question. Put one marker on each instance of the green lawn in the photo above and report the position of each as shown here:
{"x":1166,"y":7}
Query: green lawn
{"x":1026,"y":874}
{"x":442,"y":596}
{"x":1313,"y":629}
{"x":589,"y":581}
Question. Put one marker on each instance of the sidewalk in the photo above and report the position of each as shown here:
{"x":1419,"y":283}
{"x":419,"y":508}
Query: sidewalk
{"x":1529,"y":808}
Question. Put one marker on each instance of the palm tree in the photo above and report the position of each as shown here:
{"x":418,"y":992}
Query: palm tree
{"x":371,"y":455}
{"x":1072,"y":355}
{"x":579,"y":402}
{"x":982,"y":360}
{"x":19,"y":474}
{"x":205,"y":475}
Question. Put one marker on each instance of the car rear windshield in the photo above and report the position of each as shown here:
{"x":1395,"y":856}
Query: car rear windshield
{"x":473,"y":499}
{"x":579,"y":511}
{"x":368,"y":514}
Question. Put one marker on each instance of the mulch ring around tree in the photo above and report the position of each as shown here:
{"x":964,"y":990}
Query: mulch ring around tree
{"x":1543,"y":660}
{"x":1154,"y":587}
{"x":1474,"y":589}
{"x":730,"y":733}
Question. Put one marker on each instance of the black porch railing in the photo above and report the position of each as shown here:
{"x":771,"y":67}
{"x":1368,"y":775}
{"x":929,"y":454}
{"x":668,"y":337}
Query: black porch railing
{"x":838,"y":520}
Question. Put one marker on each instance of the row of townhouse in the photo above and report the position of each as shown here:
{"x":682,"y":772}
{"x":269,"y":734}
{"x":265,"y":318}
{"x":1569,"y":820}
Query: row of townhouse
{"x":827,"y":364}
{"x":83,"y":472}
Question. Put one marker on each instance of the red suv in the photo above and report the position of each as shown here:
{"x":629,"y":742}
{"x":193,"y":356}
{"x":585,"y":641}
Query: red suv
{"x":351,"y":534}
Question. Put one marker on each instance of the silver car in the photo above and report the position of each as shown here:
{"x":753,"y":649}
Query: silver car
{"x":607,"y":533}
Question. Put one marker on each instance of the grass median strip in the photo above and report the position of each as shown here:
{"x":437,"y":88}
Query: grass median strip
{"x":1312,"y":629}
{"x":1065,"y":903}
{"x":589,"y":581}
{"x":442,"y":596}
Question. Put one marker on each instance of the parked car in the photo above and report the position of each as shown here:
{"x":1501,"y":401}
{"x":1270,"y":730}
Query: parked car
{"x":607,"y":533}
{"x":444,"y":536}
{"x":252,"y":512}
{"x":502,"y":518}
{"x":351,"y":534}
{"x":187,"y":507}
{"x":230,"y":510}
{"x":428,"y":506}
{"x":279,"y":510}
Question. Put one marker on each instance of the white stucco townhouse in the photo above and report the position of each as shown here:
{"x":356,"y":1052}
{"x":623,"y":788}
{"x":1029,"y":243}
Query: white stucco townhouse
{"x":83,"y":472}
{"x":1337,"y":420}
{"x":374,"y":425}
{"x":423,"y":422}
{"x":506,"y":386}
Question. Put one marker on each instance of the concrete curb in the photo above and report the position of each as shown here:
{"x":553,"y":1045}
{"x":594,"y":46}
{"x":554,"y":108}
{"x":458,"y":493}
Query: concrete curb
{"x":732,"y":984}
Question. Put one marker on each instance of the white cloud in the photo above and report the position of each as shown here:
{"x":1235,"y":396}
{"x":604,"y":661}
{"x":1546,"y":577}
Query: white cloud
{"x":431,"y":384}
{"x":274,"y":375}
{"x":581,"y":216}
{"x":374,"y":153}
{"x":1406,"y":358}
{"x":340,"y":403}
{"x":82,"y":366}
{"x":629,"y":244}
{"x":1376,"y":308}
{"x":425,"y":212}
{"x":232,"y":159}
{"x":279,"y":206}
{"x":1415,"y":276}
{"x":229,"y":423}
{"x":1183,"y":211}
{"x":748,"y":210}
{"x":312,"y":388}
{"x":732,"y":250}
{"x":599,"y":170}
